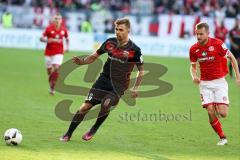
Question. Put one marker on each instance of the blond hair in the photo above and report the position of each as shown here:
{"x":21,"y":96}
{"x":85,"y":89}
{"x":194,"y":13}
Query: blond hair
{"x":124,"y":21}
{"x":202,"y":25}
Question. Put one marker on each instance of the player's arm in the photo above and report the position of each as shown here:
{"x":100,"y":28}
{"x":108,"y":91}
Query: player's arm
{"x":193,"y":72}
{"x":134,"y":90}
{"x":235,"y":66}
{"x":92,"y":57}
{"x":50,"y":40}
{"x":44,"y":39}
{"x":86,"y":60}
{"x":67,"y":43}
{"x":67,"y":40}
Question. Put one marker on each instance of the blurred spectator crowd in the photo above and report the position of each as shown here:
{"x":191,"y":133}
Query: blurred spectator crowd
{"x":99,"y":15}
{"x":230,"y":8}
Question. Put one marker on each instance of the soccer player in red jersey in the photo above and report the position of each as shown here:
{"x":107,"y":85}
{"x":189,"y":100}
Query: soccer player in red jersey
{"x":209,"y":53}
{"x":53,"y":36}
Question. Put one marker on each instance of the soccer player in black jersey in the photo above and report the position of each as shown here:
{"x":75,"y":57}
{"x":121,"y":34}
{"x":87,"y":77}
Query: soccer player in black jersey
{"x":123,"y":55}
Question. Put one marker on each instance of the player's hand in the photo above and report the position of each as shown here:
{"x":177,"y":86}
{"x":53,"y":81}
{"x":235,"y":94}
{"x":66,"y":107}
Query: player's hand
{"x":196,"y":80}
{"x":50,"y":40}
{"x":77,"y":60}
{"x":134,"y":93}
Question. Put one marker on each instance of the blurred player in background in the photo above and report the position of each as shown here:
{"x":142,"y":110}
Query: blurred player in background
{"x":53,"y":36}
{"x":123,"y":55}
{"x":221,"y":33}
{"x":209,"y":53}
{"x":235,"y":43}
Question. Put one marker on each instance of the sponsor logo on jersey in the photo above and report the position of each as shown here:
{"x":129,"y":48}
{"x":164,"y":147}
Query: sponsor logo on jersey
{"x":206,"y":59}
{"x":116,"y":59}
{"x":52,"y":32}
{"x":125,"y":53}
{"x":204,"y":54}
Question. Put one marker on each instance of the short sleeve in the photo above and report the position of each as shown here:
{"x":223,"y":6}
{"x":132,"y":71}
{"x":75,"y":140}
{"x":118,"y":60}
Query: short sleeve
{"x":223,"y":50}
{"x":102,"y":49}
{"x":138,"y":57}
{"x":192,"y":56}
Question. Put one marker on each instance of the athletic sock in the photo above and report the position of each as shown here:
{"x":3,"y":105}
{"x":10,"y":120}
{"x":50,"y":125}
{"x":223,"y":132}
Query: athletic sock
{"x":77,"y":119}
{"x":216,"y":125}
{"x":53,"y":79}
{"x":98,"y":123}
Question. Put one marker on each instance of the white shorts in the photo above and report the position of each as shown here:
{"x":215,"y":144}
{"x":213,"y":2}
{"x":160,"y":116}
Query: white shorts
{"x":55,"y":59}
{"x":214,"y":92}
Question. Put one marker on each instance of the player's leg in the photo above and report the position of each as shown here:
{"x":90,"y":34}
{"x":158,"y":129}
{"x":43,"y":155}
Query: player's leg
{"x":207,"y":91}
{"x":108,"y":102}
{"x":214,"y":121}
{"x":76,"y":120}
{"x":48,"y":65}
{"x":53,"y":77}
{"x":56,"y":63}
{"x":221,"y":105}
{"x":222,"y":110}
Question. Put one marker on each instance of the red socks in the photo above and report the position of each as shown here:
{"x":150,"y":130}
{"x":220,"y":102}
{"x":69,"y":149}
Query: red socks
{"x":53,"y":79}
{"x":216,"y":125}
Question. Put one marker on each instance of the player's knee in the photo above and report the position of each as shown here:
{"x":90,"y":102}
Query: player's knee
{"x":110,"y":100}
{"x":55,"y":69}
{"x":85,"y":108}
{"x":223,"y":114}
{"x":211,"y":114}
{"x":211,"y":111}
{"x":106,"y":104}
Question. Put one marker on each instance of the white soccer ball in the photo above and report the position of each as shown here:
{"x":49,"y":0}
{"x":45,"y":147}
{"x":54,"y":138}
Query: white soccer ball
{"x":13,"y":136}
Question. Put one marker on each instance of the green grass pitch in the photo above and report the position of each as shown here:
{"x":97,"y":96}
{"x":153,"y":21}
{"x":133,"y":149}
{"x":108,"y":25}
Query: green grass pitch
{"x":25,"y":104}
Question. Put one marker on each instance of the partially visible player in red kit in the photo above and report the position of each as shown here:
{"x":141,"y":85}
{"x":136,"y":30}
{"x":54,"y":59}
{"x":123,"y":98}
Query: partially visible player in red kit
{"x":53,"y":36}
{"x":209,"y":53}
{"x":221,"y":33}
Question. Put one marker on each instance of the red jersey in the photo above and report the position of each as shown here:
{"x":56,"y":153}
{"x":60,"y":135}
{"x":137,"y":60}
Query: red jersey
{"x":221,"y":33}
{"x":211,"y":57}
{"x":52,"y":32}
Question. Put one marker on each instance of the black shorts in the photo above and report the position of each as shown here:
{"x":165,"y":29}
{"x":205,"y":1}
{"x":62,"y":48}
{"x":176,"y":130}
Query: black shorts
{"x":100,"y":90}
